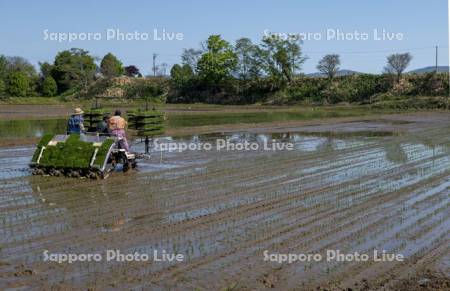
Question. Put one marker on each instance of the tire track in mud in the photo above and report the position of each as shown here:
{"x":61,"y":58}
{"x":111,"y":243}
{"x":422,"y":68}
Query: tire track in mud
{"x":235,"y":207}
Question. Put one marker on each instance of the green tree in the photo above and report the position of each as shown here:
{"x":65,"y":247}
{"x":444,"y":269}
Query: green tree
{"x":249,"y":64}
{"x":73,"y":68}
{"x":111,"y":66}
{"x":49,"y":87}
{"x":219,"y":60}
{"x":46,"y":69}
{"x":17,"y":84}
{"x":3,"y":74}
{"x":2,"y":88}
{"x":281,"y":58}
{"x":190,"y":57}
{"x":3,"y":67}
{"x":19,"y":64}
{"x":181,"y":74}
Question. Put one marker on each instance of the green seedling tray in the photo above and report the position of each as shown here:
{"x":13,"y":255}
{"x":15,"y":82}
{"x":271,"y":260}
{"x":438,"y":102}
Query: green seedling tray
{"x":72,"y":153}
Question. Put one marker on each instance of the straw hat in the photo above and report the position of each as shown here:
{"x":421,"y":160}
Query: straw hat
{"x":78,"y":111}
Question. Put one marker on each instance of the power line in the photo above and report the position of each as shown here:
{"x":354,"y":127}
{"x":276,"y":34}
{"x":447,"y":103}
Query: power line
{"x":370,"y":52}
{"x":138,"y":58}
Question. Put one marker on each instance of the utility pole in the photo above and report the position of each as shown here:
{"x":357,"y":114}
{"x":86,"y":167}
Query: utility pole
{"x":154,"y":64}
{"x":448,"y":69}
{"x":436,"y":59}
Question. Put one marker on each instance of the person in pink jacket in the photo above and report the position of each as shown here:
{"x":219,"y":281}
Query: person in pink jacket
{"x":117,"y":125}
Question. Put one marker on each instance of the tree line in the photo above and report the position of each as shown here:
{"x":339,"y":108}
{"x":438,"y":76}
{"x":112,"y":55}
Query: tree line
{"x":276,"y":58}
{"x":220,"y":72}
{"x":216,"y":72}
{"x":72,"y":71}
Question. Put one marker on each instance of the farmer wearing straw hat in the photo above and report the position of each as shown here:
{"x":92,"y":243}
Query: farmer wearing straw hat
{"x":75,"y":123}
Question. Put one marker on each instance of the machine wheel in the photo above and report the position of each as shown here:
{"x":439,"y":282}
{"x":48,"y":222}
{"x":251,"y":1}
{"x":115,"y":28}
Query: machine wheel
{"x":38,"y":171}
{"x":93,"y":175}
{"x":126,"y":166}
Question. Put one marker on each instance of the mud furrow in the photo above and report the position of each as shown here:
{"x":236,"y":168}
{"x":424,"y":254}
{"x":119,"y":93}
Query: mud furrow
{"x":222,"y":210}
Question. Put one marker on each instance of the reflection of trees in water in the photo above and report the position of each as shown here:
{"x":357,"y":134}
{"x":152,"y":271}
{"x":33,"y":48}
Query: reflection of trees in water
{"x":395,"y":152}
{"x":430,"y":142}
{"x":326,"y":145}
{"x":446,"y":147}
{"x":316,"y":142}
{"x":31,"y":128}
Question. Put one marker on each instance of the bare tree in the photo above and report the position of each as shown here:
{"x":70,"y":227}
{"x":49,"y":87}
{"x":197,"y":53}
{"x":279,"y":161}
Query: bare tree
{"x":190,"y":57}
{"x":329,"y":65}
{"x":397,"y":63}
{"x":249,"y":63}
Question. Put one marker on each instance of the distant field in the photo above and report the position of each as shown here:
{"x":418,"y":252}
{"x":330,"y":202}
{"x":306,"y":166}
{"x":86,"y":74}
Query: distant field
{"x":32,"y":109}
{"x":19,"y":122}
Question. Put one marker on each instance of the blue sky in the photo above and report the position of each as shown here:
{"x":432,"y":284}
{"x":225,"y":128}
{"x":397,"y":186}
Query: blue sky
{"x":423,"y":25}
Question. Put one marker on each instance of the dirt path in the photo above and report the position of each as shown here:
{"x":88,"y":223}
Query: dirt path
{"x":47,"y":111}
{"x":10,"y":112}
{"x":222,"y":210}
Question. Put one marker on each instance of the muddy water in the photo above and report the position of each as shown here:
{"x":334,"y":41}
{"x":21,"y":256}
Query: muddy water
{"x":36,"y":128}
{"x":162,"y":156}
{"x":31,"y":128}
{"x":222,"y":209}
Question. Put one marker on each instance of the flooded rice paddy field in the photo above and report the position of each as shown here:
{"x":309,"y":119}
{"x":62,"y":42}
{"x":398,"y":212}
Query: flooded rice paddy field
{"x":353,"y":187}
